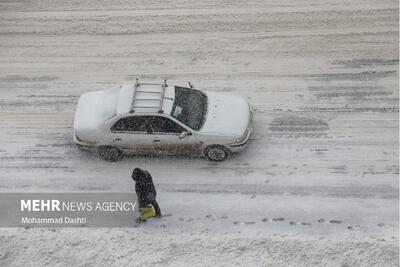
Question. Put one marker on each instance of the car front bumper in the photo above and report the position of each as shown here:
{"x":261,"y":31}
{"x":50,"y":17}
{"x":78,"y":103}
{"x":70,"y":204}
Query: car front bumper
{"x":240,"y":146}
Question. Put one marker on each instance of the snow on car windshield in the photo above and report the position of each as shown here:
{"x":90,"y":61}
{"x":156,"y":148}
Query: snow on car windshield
{"x":189,"y":107}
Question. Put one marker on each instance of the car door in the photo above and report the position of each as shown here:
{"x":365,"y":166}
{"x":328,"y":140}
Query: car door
{"x":167,"y":139}
{"x":131,"y":134}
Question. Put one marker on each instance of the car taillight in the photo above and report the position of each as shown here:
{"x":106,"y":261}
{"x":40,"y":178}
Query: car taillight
{"x":243,"y":137}
{"x":77,"y":138}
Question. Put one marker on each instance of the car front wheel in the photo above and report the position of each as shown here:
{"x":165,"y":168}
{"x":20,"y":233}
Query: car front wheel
{"x":216,"y":153}
{"x":109,"y":153}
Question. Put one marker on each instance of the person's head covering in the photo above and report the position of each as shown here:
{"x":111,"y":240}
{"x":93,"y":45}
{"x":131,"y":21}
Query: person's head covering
{"x":137,"y":174}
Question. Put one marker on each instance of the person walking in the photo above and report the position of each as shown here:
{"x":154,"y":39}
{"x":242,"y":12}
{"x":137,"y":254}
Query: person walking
{"x":146,"y":194}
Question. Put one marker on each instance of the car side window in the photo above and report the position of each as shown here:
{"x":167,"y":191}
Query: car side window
{"x":130,"y":124}
{"x":160,"y":124}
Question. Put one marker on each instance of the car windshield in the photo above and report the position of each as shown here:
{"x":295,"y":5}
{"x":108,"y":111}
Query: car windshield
{"x":190,"y":107}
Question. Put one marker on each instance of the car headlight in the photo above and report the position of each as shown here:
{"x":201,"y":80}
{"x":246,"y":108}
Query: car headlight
{"x":243,"y":137}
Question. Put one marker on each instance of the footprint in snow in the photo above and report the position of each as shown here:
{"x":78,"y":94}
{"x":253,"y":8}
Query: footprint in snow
{"x":299,"y":223}
{"x":330,"y":221}
{"x":243,"y":223}
{"x":355,"y":227}
{"x":211,"y":217}
{"x":279,"y":219}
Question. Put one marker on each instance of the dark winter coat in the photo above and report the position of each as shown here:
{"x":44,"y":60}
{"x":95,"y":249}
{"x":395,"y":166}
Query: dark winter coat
{"x":144,"y":187}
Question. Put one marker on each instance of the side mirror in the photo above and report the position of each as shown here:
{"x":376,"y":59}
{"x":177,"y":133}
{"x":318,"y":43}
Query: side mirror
{"x":183,"y":134}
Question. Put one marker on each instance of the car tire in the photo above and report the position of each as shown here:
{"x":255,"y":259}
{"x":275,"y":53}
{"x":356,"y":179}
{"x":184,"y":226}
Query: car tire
{"x":216,"y":153}
{"x":110,"y":153}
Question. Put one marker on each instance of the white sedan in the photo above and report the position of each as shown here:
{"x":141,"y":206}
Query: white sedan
{"x":156,"y":118}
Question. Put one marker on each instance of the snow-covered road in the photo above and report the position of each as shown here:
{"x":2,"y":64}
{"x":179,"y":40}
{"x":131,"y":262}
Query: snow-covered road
{"x":318,"y":184}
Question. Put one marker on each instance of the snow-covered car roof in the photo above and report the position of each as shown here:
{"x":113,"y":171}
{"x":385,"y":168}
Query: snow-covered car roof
{"x":151,"y":97}
{"x":145,"y":98}
{"x":96,"y":107}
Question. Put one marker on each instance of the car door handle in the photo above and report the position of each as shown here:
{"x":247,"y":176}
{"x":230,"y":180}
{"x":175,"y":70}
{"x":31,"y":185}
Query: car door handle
{"x":156,"y":141}
{"x":117,"y":139}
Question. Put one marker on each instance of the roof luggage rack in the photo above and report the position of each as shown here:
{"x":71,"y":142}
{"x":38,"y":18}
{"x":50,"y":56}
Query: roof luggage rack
{"x":138,"y":89}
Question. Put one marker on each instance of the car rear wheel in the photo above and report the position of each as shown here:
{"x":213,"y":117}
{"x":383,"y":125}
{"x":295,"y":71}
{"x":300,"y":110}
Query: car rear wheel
{"x":216,"y":153}
{"x":110,"y":153}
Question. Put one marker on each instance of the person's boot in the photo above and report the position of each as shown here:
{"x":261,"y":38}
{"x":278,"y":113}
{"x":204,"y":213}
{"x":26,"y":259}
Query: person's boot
{"x":146,"y":213}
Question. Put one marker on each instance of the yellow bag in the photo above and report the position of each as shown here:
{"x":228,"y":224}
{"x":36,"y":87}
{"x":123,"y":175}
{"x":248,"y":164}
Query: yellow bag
{"x":146,"y":213}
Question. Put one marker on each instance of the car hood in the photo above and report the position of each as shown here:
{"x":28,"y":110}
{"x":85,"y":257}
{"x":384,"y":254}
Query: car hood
{"x":226,"y":115}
